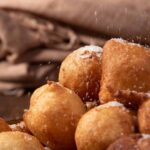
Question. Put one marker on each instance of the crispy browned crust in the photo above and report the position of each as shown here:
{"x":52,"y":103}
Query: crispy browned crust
{"x":144,"y":117}
{"x":131,"y":142}
{"x":125,"y":66}
{"x":129,"y":98}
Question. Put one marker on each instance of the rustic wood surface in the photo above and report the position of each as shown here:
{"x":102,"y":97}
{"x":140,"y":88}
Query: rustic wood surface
{"x":12,"y":107}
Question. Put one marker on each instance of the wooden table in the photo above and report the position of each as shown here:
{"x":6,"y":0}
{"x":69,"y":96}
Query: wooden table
{"x":12,"y":107}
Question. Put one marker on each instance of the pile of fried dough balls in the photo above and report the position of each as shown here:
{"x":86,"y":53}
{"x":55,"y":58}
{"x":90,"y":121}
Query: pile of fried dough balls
{"x":101,"y":102}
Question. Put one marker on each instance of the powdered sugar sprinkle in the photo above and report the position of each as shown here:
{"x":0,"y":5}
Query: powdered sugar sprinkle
{"x":145,"y":136}
{"x":122,"y":41}
{"x":111,"y":104}
{"x":92,"y":48}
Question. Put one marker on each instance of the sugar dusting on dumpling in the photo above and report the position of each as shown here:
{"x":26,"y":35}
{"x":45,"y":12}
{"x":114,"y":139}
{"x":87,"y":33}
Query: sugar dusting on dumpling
{"x":110,"y":104}
{"x":148,"y":94}
{"x":144,"y":137}
{"x":90,"y":48}
{"x":13,"y":126}
{"x":122,"y":41}
{"x":47,"y":148}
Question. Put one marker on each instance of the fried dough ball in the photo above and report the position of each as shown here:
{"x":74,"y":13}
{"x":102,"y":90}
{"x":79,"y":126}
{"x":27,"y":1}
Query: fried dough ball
{"x":144,"y":117}
{"x":4,"y":126}
{"x":15,"y":140}
{"x":53,"y":116}
{"x":132,"y":142}
{"x":125,"y":66}
{"x":81,"y":72}
{"x":102,"y":125}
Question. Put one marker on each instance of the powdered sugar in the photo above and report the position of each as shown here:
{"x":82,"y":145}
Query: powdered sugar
{"x":13,"y":126}
{"x":84,"y":56}
{"x":110,"y":104}
{"x":148,"y":93}
{"x":145,"y":136}
{"x":92,"y":48}
{"x":21,"y":125}
{"x":25,"y":110}
{"x":18,"y":127}
{"x":122,"y":41}
{"x":47,"y":148}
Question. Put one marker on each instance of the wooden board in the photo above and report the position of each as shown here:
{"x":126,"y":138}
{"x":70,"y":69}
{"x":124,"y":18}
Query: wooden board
{"x":12,"y":107}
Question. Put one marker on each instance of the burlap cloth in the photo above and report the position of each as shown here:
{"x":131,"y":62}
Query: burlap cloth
{"x":36,"y":35}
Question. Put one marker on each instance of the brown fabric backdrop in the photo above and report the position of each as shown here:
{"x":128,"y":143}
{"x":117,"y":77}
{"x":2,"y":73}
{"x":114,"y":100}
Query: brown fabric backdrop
{"x":119,"y":18}
{"x":33,"y":47}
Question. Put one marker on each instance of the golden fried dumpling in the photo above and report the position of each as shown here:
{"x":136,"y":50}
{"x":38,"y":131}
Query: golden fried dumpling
{"x":53,"y":116}
{"x":81,"y":72}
